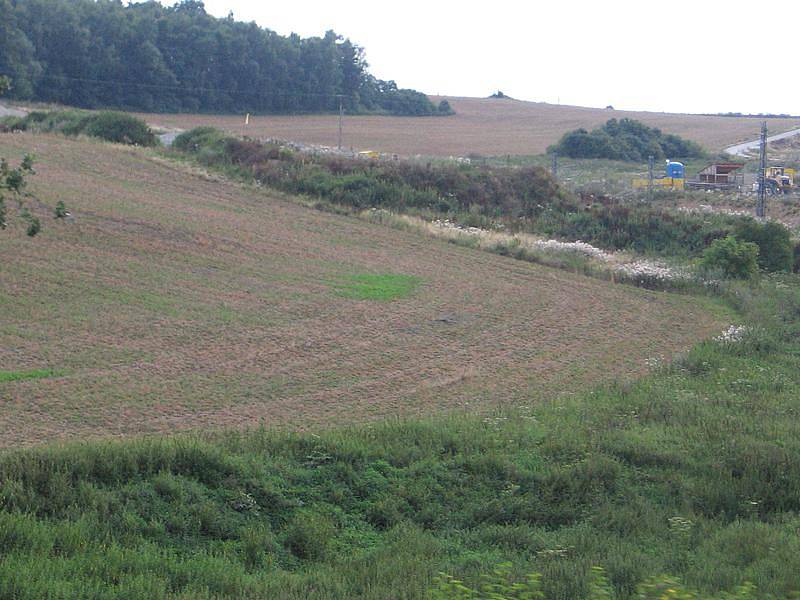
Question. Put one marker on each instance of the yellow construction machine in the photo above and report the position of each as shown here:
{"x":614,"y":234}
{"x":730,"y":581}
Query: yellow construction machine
{"x":779,"y":180}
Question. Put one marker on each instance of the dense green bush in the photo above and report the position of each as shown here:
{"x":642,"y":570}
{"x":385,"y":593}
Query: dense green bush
{"x":200,"y":138}
{"x":731,"y":257}
{"x":625,"y":139}
{"x":444,"y":108}
{"x":110,"y":126}
{"x":120,"y":128}
{"x":775,"y":248}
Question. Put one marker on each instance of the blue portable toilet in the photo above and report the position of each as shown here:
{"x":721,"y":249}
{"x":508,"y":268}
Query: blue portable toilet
{"x":675,"y":170}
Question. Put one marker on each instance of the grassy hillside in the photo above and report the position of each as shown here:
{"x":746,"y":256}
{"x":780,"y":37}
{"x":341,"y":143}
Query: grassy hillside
{"x":490,"y":127}
{"x":174,"y":301}
{"x":693,"y":470}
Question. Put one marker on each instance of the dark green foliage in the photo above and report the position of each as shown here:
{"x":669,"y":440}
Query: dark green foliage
{"x":444,"y":108}
{"x":309,"y":535}
{"x":34,"y":225}
{"x":108,"y":125}
{"x":200,"y":138}
{"x":5,"y":84}
{"x":60,"y":211}
{"x":796,"y":267}
{"x":638,"y":227}
{"x":151,"y":57}
{"x":731,"y":258}
{"x":625,"y":139}
{"x":775,"y":248}
{"x":120,"y":128}
{"x":13,"y":181}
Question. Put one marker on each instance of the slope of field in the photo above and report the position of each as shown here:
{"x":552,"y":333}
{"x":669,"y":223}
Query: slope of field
{"x":174,"y":301}
{"x":489,"y":127}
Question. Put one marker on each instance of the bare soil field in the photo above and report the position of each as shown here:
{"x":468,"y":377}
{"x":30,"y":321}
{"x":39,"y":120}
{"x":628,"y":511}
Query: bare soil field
{"x":175,"y":301}
{"x":490,"y":127}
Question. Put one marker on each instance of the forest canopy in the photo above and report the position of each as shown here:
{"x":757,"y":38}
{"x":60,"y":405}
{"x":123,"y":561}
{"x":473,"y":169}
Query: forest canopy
{"x":151,"y":57}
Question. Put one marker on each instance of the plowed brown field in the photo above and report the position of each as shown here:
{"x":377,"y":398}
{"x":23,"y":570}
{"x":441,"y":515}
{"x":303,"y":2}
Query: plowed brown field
{"x":173,"y":301}
{"x":489,"y":127}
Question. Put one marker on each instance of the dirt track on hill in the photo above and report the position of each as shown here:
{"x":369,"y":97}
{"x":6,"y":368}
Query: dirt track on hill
{"x":175,"y":302}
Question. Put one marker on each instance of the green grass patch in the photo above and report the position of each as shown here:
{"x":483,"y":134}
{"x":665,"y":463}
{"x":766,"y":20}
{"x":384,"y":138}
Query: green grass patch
{"x":384,"y":288}
{"x":6,"y":376}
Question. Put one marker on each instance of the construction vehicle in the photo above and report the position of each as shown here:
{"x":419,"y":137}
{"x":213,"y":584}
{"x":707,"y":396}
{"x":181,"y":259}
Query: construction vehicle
{"x":674,"y":178}
{"x":779,"y":180}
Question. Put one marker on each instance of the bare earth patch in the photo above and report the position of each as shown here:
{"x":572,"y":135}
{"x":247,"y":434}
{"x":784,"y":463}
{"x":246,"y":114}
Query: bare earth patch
{"x":489,"y":127}
{"x":174,"y":302}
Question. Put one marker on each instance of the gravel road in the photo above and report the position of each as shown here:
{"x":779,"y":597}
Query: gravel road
{"x":744,"y":148}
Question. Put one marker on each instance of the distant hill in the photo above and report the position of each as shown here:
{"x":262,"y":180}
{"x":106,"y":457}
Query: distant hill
{"x":487,"y":126}
{"x":145,"y":56}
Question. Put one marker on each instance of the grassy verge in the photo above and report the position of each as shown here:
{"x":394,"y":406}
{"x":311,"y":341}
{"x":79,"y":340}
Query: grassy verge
{"x":693,"y":471}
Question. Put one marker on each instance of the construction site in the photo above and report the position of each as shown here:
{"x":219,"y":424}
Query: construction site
{"x":743,"y":177}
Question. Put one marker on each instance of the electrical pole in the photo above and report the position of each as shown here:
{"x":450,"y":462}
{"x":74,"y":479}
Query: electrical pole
{"x":554,"y":166}
{"x":761,"y":204}
{"x":341,"y":116}
{"x":650,"y":163}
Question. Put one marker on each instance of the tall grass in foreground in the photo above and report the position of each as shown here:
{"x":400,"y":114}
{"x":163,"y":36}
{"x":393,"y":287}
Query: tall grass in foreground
{"x":692,"y":471}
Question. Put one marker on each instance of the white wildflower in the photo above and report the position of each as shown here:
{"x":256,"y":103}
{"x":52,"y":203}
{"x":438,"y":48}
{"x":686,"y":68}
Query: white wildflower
{"x":732,"y":335}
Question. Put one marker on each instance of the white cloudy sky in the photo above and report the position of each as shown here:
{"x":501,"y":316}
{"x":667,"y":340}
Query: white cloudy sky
{"x":678,"y":56}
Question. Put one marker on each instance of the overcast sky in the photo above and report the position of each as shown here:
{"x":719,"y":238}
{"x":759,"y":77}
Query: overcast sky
{"x":679,"y":56}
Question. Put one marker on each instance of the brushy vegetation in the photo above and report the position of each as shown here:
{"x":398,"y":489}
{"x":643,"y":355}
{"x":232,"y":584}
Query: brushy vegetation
{"x":501,"y":585}
{"x":523,"y":199}
{"x":692,"y":471}
{"x":625,"y":139}
{"x":13,"y":181}
{"x":731,"y":258}
{"x":775,"y":247}
{"x":111,"y":126}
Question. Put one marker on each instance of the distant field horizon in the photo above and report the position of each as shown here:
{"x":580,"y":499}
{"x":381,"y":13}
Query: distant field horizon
{"x":484,"y":126}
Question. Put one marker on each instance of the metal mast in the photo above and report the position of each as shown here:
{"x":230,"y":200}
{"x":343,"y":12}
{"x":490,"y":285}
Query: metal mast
{"x":761,"y":204}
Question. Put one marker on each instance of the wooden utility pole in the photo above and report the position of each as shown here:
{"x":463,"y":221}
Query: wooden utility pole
{"x":554,"y":166}
{"x":650,"y":162}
